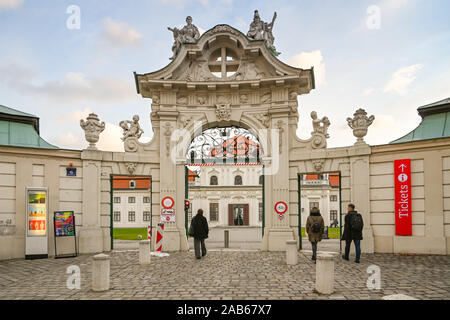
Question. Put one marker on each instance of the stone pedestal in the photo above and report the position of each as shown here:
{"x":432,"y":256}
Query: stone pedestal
{"x":100,"y":272}
{"x":144,"y":252}
{"x":325,"y":274}
{"x":291,"y":252}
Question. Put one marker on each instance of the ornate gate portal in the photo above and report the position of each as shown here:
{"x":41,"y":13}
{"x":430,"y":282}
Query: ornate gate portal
{"x":225,"y":78}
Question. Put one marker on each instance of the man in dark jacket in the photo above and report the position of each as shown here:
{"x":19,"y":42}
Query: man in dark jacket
{"x":315,"y":221}
{"x":352,"y":232}
{"x":200,"y":228}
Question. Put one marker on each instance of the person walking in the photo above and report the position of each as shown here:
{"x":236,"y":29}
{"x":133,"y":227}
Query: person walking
{"x":199,"y":230}
{"x":315,"y":227}
{"x":353,"y":226}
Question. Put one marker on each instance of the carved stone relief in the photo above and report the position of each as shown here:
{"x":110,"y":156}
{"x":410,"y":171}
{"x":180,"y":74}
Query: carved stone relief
{"x":223,"y":111}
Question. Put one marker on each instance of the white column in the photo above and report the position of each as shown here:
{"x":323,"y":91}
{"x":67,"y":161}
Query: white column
{"x":100,"y":272}
{"x":325,"y":274}
{"x":291,"y":252}
{"x":144,"y":252}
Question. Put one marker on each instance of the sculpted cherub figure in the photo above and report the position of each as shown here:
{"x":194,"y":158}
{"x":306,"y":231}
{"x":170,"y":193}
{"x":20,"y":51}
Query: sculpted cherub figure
{"x":131,"y":128}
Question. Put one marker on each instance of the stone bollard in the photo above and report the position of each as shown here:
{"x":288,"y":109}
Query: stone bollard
{"x":226,"y":238}
{"x":144,"y":252}
{"x":325,"y":274}
{"x":100,"y":272}
{"x":291,"y":252}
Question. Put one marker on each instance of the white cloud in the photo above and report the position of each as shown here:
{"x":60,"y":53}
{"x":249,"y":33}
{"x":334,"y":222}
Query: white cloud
{"x":393,"y":5}
{"x":120,"y":33}
{"x":10,"y":4}
{"x":306,"y":60}
{"x":110,"y":138}
{"x":72,"y":88}
{"x":69,"y":140}
{"x":201,"y":30}
{"x":241,"y":24}
{"x":182,"y":3}
{"x":77,"y":87}
{"x":75,"y":116}
{"x":401,"y":79}
{"x":368,"y":92}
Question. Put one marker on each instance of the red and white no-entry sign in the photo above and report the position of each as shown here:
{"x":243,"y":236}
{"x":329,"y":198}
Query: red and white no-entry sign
{"x":167,"y":202}
{"x":281,"y":207}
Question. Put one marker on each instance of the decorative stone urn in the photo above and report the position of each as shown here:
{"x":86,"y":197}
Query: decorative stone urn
{"x":92,"y":129}
{"x":360,"y":123}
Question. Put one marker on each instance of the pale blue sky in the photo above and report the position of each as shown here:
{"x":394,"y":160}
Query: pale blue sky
{"x":60,"y":75}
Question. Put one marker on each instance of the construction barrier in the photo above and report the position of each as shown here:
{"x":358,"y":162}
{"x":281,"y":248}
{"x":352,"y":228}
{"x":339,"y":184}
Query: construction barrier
{"x":159,"y":236}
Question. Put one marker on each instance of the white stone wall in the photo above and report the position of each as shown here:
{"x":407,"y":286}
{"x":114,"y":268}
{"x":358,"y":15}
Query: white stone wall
{"x":7,"y":193}
{"x":446,"y":192}
{"x":201,"y":194}
{"x":70,"y":193}
{"x":322,"y":196}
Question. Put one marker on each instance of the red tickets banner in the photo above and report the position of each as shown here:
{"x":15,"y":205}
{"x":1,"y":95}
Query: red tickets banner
{"x":403,"y":216}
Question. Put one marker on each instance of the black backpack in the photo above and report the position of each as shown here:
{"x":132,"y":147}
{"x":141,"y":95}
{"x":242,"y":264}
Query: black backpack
{"x":315,"y":227}
{"x":356,"y":222}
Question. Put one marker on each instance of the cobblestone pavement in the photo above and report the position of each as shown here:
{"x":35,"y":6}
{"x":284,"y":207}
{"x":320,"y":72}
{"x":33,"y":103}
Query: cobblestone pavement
{"x":226,"y":275}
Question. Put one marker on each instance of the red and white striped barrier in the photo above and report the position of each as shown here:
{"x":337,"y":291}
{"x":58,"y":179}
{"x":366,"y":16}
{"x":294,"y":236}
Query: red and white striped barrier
{"x":159,"y":236}
{"x":149,"y":233}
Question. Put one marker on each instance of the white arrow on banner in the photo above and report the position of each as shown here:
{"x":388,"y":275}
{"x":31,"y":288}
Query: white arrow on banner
{"x":402,"y":166}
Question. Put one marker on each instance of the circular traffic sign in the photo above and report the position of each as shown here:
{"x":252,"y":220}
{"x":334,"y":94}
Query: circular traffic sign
{"x":281,"y":207}
{"x":167,"y":202}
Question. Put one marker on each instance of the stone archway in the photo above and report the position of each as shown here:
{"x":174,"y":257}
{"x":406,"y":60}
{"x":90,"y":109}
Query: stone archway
{"x":260,"y":95}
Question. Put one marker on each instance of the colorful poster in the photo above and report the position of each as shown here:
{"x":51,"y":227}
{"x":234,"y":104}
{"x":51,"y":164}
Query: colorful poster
{"x":64,"y":224}
{"x":402,"y":176}
{"x":36,"y":213}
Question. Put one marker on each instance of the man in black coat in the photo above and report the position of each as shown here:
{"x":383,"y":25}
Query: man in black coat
{"x":352,"y":232}
{"x":200,"y":232}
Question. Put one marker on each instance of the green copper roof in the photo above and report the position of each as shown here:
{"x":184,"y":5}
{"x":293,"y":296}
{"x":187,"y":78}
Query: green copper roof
{"x":10,"y":111}
{"x":435,"y":123}
{"x":20,"y":129}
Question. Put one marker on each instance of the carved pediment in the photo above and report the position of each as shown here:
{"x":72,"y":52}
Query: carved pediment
{"x":224,"y":55}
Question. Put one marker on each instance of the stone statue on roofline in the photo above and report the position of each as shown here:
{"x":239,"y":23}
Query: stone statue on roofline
{"x":260,"y":30}
{"x":188,"y":34}
{"x":131,"y":128}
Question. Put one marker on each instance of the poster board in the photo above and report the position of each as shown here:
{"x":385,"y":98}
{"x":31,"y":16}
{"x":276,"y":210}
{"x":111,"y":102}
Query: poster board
{"x":64,"y":222}
{"x":36,"y":230}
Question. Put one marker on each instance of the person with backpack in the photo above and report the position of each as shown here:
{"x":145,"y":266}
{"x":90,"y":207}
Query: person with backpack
{"x":315,"y":227}
{"x":199,"y":230}
{"x":353,"y":227}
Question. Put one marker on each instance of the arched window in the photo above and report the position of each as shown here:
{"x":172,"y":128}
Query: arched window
{"x":261,"y":178}
{"x":238,"y":181}
{"x":213,"y":181}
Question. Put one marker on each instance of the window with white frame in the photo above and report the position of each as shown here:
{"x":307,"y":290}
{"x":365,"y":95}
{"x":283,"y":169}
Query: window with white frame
{"x":116,"y":199}
{"x":131,"y":199}
{"x":116,"y":216}
{"x":213,"y":212}
{"x":146,"y":216}
{"x":131,"y":216}
{"x":146,"y":199}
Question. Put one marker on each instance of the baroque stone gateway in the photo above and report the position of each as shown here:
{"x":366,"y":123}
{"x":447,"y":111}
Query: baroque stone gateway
{"x":225,"y":78}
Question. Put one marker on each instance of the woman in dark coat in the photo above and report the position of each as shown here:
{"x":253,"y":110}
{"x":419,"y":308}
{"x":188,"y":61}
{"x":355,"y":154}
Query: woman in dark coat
{"x":199,"y":230}
{"x":314,"y":237}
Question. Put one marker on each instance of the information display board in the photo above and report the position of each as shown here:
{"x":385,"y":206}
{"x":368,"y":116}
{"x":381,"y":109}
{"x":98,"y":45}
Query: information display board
{"x":64,"y":224}
{"x":36,"y":231}
{"x":403,"y":217}
{"x":64,"y":227}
